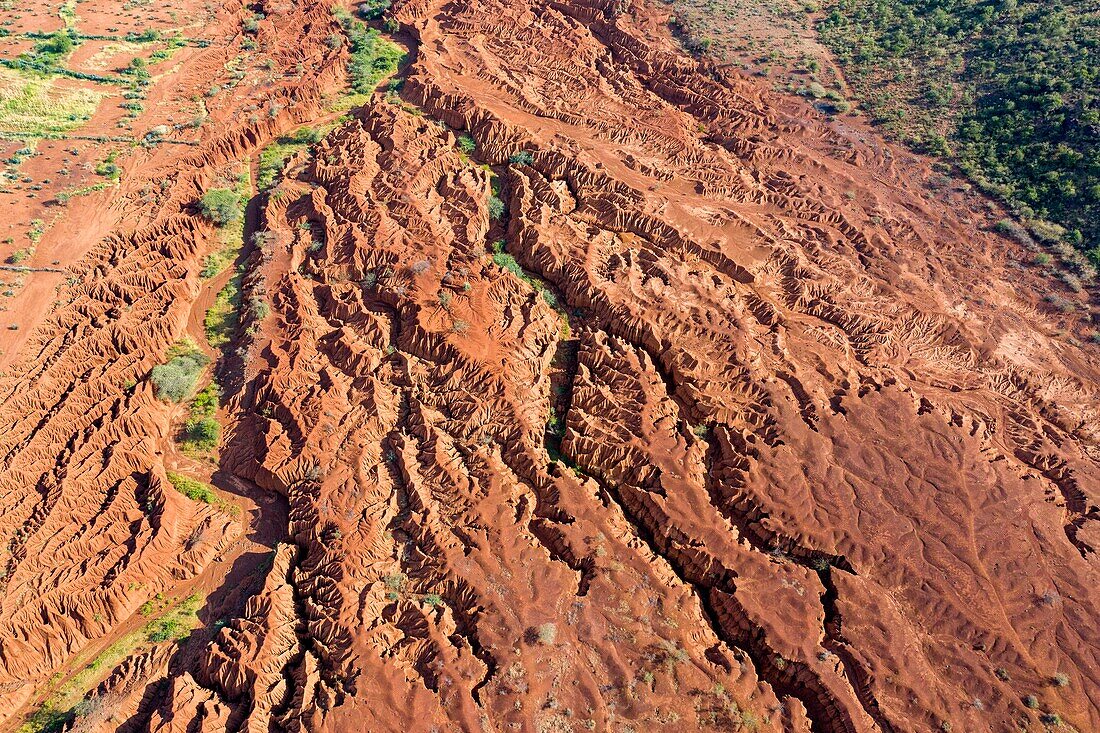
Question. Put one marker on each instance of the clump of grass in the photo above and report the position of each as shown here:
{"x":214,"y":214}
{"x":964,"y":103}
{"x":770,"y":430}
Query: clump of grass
{"x":202,"y":432}
{"x":19,"y":256}
{"x":230,"y":222}
{"x":275,"y":156}
{"x":508,"y":263}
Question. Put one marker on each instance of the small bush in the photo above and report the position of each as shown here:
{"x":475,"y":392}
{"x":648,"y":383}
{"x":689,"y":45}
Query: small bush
{"x":203,"y":433}
{"x":1031,"y":702}
{"x":206,"y":402}
{"x":496,"y":207}
{"x":164,"y":629}
{"x":1060,"y":680}
{"x":1014,"y":231}
{"x":221,"y":206}
{"x":308,"y":136}
{"x":175,"y":380}
{"x":467,"y":144}
{"x":1060,"y":304}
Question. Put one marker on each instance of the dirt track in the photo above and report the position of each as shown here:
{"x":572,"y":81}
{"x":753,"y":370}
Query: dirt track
{"x":779,"y":438}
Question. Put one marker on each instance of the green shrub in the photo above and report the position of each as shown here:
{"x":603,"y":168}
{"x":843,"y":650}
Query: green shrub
{"x":467,"y":144}
{"x":203,"y":433}
{"x":496,"y":208}
{"x":175,"y":380}
{"x":221,"y":206}
{"x":19,"y":256}
{"x":163,"y":629}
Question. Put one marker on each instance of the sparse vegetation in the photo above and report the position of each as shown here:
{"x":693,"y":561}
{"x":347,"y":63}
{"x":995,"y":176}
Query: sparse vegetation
{"x":1007,"y":89}
{"x":373,"y":57}
{"x":221,"y":320}
{"x":546,"y":633}
{"x":172,"y":623}
{"x":274,"y":156}
{"x":373,"y":9}
{"x":33,"y":104}
{"x":202,"y":432}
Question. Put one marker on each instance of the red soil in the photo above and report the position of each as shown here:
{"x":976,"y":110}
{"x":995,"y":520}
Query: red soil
{"x":795,"y":450}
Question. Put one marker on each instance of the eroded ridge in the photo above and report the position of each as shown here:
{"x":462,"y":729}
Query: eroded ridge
{"x":94,"y":534}
{"x":666,"y":409}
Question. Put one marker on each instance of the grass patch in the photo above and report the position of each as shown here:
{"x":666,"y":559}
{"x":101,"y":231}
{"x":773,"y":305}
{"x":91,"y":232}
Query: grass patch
{"x":223,"y":206}
{"x":192,"y":489}
{"x":223,"y":317}
{"x":201,"y":432}
{"x":34,"y":105}
{"x":507,"y":262}
{"x":64,"y":196}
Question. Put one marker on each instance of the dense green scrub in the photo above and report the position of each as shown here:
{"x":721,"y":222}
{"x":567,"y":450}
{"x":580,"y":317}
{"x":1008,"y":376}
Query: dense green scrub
{"x":1010,"y":89}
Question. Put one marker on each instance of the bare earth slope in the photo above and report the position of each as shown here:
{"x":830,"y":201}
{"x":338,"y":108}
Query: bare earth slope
{"x":769,"y":437}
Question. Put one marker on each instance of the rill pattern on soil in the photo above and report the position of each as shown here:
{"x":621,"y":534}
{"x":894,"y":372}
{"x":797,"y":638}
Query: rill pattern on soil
{"x":774,"y":445}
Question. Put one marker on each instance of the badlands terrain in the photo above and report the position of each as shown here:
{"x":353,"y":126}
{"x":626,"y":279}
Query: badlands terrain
{"x":566,"y":382}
